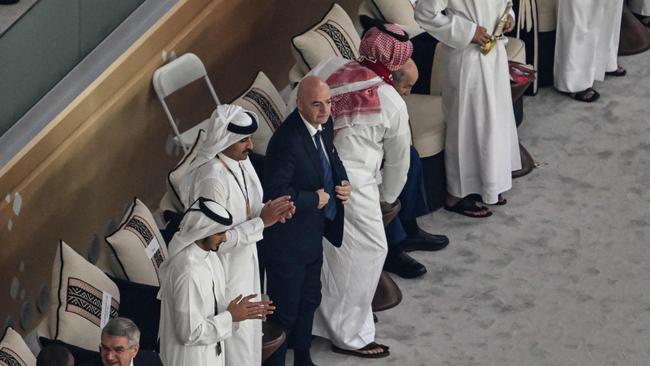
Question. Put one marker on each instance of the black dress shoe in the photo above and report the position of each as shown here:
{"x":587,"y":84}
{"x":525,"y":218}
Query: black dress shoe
{"x":424,"y":241}
{"x":404,"y":266}
{"x":8,"y":2}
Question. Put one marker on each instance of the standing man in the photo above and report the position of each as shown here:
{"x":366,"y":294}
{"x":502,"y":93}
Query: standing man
{"x":586,"y":47}
{"x":222,"y":172}
{"x":194,"y":319}
{"x":301,"y":162}
{"x":371,"y":128}
{"x":481,"y":145}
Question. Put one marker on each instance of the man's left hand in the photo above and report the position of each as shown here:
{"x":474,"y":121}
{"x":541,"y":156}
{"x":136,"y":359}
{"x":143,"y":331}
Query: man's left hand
{"x":510,"y":24}
{"x":343,"y":191}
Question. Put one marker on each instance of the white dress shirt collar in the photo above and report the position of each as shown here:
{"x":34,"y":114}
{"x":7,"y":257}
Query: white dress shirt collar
{"x":310,"y":128}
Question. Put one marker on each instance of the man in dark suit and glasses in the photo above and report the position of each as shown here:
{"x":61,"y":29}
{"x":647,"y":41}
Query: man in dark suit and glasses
{"x":301,"y":161}
{"x":120,"y":346}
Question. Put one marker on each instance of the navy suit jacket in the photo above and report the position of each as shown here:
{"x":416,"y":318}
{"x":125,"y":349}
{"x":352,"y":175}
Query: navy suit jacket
{"x":292,"y":167}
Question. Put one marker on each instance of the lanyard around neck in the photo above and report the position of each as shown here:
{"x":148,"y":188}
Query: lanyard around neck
{"x":243,"y":189}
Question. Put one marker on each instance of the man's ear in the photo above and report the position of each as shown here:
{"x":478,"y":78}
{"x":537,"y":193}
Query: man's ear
{"x":135,"y":350}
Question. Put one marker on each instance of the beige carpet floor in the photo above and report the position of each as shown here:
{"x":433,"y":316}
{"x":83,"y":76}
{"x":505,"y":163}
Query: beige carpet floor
{"x":559,"y":276}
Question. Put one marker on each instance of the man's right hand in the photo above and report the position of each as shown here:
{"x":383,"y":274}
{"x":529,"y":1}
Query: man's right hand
{"x":323,"y":198}
{"x":276,"y":210}
{"x":481,"y":36}
{"x":241,"y":308}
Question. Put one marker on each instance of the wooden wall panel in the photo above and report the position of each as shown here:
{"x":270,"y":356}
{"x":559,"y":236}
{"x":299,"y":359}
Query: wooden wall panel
{"x":77,"y":176}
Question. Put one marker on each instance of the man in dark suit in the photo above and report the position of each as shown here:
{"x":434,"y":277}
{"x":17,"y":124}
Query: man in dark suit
{"x":120,"y":346}
{"x":301,"y":161}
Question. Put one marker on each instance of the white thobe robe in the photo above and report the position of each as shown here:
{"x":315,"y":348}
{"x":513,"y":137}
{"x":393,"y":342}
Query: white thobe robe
{"x":481,"y":145}
{"x":189,"y":328}
{"x":350,"y":273}
{"x":587,"y":40}
{"x":641,"y":7}
{"x":238,"y":253}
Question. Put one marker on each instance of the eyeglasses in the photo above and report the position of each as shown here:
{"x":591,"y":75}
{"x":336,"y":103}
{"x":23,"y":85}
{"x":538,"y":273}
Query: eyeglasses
{"x":118,"y":350}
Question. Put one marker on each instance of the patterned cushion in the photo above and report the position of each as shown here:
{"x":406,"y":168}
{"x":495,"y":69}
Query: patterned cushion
{"x":137,"y":246}
{"x":393,"y":11}
{"x":332,"y":36}
{"x":176,"y":175}
{"x":14,"y":351}
{"x":263,"y":99}
{"x":83,"y":299}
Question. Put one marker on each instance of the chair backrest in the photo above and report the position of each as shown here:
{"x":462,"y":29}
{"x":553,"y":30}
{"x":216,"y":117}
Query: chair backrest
{"x":174,"y":76}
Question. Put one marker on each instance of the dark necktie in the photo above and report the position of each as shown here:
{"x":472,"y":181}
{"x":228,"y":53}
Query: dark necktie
{"x":330,"y":207}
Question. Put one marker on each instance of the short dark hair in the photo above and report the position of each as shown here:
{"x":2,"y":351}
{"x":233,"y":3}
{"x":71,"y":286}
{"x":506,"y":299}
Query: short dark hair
{"x":54,"y":355}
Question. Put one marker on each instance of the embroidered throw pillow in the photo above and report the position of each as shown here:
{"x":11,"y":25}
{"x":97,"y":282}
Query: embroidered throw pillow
{"x":137,"y":246}
{"x":84,"y":299}
{"x":265,"y":100}
{"x":332,"y":36}
{"x":14,"y":351}
{"x":400,"y":12}
{"x":177,"y":174}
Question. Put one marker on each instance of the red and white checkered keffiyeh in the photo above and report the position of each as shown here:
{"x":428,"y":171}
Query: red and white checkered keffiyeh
{"x":384,"y":48}
{"x":347,"y":105}
{"x":355,"y":84}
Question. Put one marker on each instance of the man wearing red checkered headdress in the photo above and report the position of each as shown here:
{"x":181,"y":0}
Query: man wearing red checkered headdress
{"x":371,"y":127}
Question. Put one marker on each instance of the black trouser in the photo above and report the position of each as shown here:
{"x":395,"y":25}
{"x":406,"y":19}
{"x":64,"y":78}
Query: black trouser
{"x":295,"y":291}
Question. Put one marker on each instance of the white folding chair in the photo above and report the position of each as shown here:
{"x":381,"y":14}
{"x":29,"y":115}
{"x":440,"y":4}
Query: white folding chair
{"x":174,"y":76}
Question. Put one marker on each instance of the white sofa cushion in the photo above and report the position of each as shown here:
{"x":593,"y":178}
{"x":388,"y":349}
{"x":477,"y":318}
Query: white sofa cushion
{"x":137,"y":246}
{"x":83,"y":299}
{"x":177,"y":174}
{"x":427,"y":123}
{"x":14,"y":350}
{"x":267,"y":103}
{"x":546,"y":15}
{"x":334,"y":35}
{"x":400,"y":12}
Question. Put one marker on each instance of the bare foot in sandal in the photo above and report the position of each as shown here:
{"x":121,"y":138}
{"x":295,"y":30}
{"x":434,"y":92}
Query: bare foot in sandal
{"x":467,"y":207}
{"x":620,"y":71}
{"x":371,"y":350}
{"x":588,"y":95}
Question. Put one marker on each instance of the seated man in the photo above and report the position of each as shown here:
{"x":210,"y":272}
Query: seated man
{"x":120,"y":346}
{"x":194,"y":317}
{"x":55,"y":355}
{"x":403,"y":233}
{"x":588,"y":35}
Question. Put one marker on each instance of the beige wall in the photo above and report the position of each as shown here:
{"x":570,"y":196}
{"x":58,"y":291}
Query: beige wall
{"x":109,"y":144}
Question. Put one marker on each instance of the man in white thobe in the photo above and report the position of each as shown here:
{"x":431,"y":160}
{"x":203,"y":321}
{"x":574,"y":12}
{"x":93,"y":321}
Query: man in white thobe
{"x":371,"y":126}
{"x":586,"y":47}
{"x":481,"y":145}
{"x":195,"y":316}
{"x":222,"y":172}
